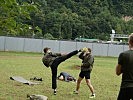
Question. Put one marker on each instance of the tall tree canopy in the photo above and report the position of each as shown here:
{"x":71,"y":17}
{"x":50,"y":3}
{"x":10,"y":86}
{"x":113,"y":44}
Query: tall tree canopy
{"x":66,"y":19}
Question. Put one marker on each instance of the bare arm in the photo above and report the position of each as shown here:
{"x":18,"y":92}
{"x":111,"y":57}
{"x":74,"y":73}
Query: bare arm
{"x":118,"y":69}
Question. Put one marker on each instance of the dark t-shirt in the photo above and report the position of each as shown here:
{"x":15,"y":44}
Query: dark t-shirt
{"x":126,"y":61}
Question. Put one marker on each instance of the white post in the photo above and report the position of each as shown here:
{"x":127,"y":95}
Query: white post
{"x":80,"y":38}
{"x":112,"y":35}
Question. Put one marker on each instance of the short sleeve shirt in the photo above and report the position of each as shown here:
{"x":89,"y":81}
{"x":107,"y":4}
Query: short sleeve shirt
{"x":126,"y":61}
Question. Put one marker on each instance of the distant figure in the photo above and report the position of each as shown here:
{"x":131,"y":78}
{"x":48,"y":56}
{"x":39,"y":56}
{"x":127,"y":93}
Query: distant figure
{"x":86,"y":68}
{"x":125,"y":67}
{"x":66,"y":77}
{"x":53,"y":60}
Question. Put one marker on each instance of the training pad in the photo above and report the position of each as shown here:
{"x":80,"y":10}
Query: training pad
{"x":37,"y":97}
{"x":22,"y":80}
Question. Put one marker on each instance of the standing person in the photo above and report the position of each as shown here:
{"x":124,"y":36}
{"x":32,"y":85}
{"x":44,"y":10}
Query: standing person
{"x":53,"y":60}
{"x":125,"y":67}
{"x":86,"y":68}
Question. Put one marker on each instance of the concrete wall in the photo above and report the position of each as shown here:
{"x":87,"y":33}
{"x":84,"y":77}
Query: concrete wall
{"x":37,"y":45}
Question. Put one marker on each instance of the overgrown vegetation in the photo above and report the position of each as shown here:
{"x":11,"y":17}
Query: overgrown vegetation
{"x":66,"y":19}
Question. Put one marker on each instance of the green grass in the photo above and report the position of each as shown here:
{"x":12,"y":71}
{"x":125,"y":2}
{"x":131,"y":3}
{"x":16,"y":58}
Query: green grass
{"x":29,"y":65}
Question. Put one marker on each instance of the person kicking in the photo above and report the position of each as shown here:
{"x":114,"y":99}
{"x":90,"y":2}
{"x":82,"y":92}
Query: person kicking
{"x":53,"y":60}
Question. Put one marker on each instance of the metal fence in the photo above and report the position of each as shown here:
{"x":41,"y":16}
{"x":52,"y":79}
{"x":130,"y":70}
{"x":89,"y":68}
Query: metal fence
{"x":37,"y":45}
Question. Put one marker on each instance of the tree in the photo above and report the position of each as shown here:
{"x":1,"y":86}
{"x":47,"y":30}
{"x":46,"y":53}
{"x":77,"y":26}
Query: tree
{"x":65,"y":19}
{"x":12,"y":15}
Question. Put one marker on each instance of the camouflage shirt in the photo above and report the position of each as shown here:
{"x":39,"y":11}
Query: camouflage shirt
{"x":48,"y":58}
{"x":87,"y":61}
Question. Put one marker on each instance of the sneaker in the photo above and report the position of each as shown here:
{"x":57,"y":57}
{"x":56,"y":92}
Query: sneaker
{"x":54,"y":92}
{"x":93,"y":96}
{"x":75,"y":92}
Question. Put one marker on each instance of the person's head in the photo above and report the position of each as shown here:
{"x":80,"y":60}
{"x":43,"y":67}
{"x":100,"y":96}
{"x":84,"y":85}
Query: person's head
{"x":130,"y":40}
{"x":45,"y":50}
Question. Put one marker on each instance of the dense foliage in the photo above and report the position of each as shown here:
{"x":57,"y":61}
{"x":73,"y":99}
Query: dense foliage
{"x":66,"y":19}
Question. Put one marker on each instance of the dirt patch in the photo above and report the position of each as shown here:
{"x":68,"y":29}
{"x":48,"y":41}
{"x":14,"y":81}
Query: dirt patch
{"x":77,"y":67}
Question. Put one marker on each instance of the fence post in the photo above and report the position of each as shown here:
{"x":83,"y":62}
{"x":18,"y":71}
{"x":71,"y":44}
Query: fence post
{"x":5,"y":43}
{"x":123,"y":48}
{"x":59,"y":46}
{"x":108,"y":50}
{"x":76,"y":46}
{"x":24,"y":45}
{"x":42,"y":46}
{"x":92,"y":46}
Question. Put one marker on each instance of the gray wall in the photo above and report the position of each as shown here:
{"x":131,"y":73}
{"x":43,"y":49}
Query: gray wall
{"x":37,"y":45}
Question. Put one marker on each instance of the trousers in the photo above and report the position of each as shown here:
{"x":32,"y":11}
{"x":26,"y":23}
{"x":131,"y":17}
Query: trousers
{"x":125,"y":94}
{"x":55,"y":65}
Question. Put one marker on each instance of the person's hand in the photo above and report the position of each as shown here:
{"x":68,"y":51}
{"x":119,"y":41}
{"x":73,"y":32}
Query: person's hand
{"x":85,"y":49}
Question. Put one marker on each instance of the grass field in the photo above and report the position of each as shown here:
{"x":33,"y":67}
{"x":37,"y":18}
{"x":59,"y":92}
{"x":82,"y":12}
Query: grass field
{"x":29,"y":65}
